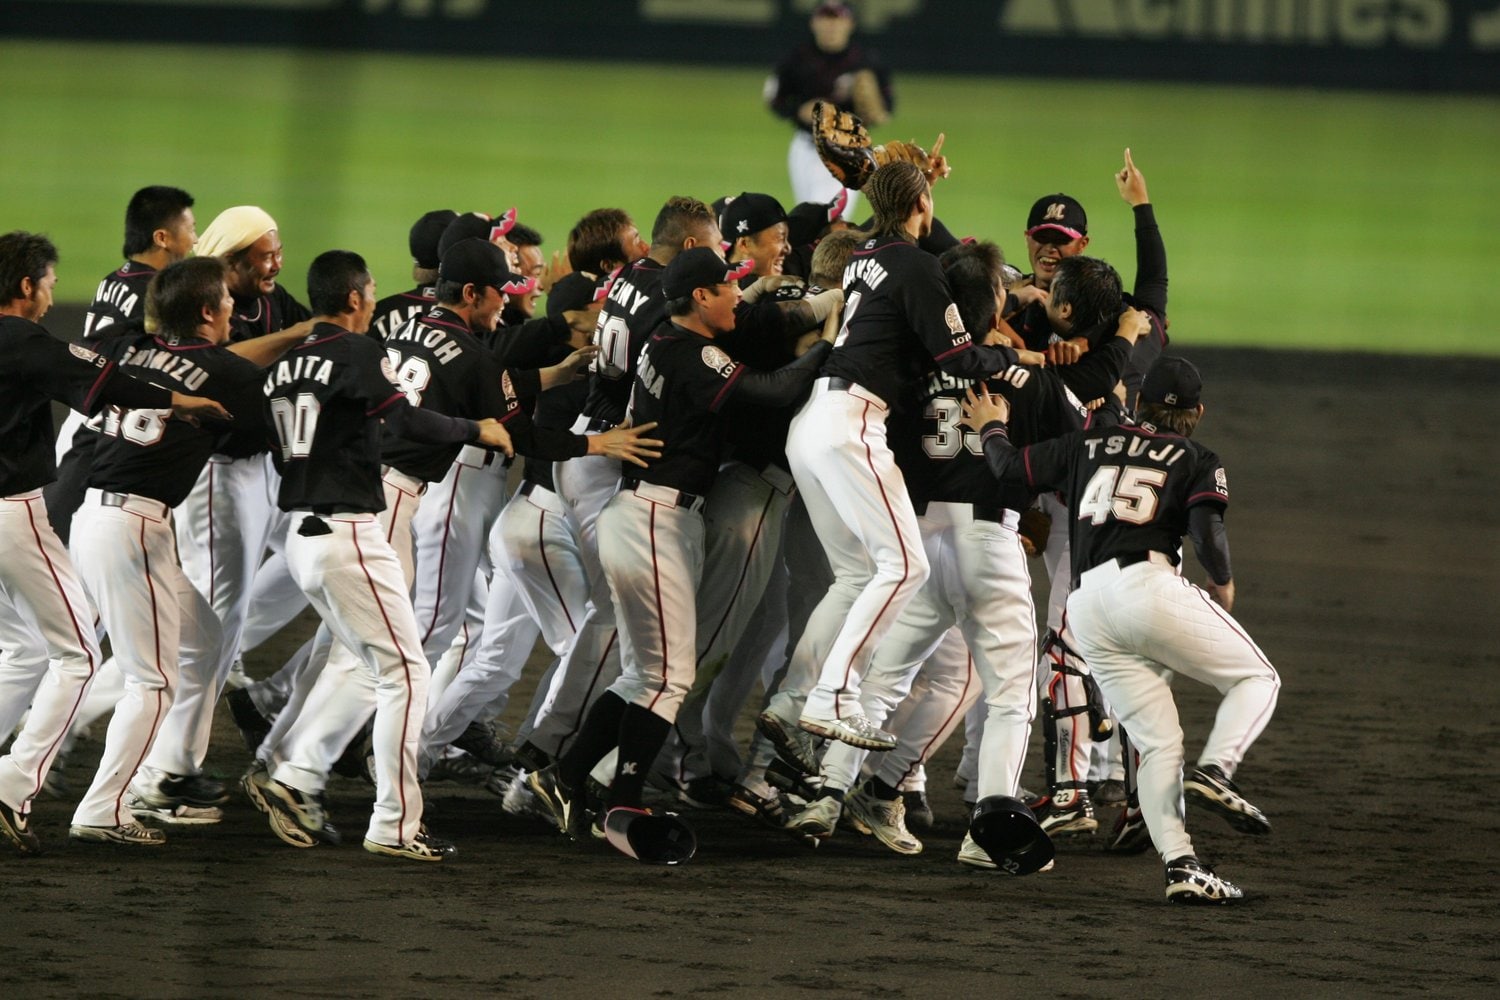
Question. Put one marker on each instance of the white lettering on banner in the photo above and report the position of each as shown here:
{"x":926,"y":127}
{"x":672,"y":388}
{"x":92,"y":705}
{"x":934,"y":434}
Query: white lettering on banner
{"x":1356,"y":24}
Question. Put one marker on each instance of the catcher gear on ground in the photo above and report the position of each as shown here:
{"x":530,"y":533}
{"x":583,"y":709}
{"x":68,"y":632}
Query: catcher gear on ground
{"x":1010,"y":835}
{"x":651,"y":838}
{"x":844,"y":146}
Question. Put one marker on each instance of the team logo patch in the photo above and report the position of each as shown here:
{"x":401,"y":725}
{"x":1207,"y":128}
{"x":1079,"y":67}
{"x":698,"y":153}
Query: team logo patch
{"x":953,"y":319}
{"x":1055,"y":212}
{"x":1221,"y":481}
{"x":718,"y":360}
{"x":84,"y":354}
{"x":507,"y":387}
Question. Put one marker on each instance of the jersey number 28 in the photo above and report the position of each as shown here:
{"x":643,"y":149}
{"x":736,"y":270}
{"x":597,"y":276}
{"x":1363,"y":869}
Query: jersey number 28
{"x":1129,"y":494}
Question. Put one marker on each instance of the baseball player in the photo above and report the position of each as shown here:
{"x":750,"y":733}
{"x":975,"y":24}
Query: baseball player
{"x":159,"y":230}
{"x":394,"y":311}
{"x":326,"y":400}
{"x":48,"y":610}
{"x":632,"y":311}
{"x":144,"y":465}
{"x":898,"y":317}
{"x":827,"y":67}
{"x":755,"y":225}
{"x":226,"y":522}
{"x":1133,"y":492}
{"x":651,"y":532}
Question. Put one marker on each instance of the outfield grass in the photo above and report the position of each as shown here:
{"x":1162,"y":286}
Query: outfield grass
{"x":1291,"y":218}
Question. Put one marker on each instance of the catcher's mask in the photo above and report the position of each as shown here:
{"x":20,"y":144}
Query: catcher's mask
{"x":651,"y":838}
{"x":1010,"y":835}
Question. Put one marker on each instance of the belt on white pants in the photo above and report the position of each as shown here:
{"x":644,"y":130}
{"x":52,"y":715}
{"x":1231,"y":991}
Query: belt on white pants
{"x":664,"y":495}
{"x":1112,"y":567}
{"x":406,"y":484}
{"x":539,"y":496}
{"x":131,"y":503}
{"x":837,"y":383}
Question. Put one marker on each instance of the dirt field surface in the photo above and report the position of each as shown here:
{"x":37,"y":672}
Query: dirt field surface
{"x":1367,"y":556}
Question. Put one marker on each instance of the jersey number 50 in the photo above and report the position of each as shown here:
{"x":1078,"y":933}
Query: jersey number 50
{"x":1129,"y":494}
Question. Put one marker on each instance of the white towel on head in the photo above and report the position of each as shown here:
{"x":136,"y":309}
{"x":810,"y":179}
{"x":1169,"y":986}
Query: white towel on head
{"x":233,"y":229}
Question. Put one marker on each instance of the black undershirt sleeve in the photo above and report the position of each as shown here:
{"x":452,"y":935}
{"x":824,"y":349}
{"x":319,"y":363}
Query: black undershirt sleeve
{"x":1150,"y":262}
{"x":428,"y":426}
{"x":785,"y":384}
{"x":1210,"y":540}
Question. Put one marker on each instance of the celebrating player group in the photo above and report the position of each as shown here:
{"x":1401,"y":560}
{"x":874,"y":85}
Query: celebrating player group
{"x":758,"y":453}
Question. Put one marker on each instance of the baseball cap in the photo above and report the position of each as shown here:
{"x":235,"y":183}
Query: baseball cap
{"x":476,"y":226}
{"x":423,"y":239}
{"x":1059,"y":212}
{"x":479,"y":262}
{"x":700,"y":267}
{"x":1173,"y":382}
{"x":748,"y":213}
{"x":832,"y":9}
{"x":806,"y":222}
{"x":575,"y":290}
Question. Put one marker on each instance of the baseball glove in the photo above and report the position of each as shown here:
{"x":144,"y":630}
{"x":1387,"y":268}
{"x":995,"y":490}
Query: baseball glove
{"x":844,"y":146}
{"x":1034,"y":528}
{"x":869,"y":102}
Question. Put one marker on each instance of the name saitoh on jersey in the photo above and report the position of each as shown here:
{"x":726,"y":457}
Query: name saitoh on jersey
{"x":437,"y":341}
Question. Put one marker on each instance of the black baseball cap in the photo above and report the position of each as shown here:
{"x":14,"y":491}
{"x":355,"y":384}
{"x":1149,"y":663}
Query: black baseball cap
{"x":425,"y":234}
{"x":1173,"y":382}
{"x":479,"y":262}
{"x":700,"y":267}
{"x":476,"y":226}
{"x":807,"y":221}
{"x":831,"y":8}
{"x":1059,"y":212}
{"x":576,"y":290}
{"x":748,"y":213}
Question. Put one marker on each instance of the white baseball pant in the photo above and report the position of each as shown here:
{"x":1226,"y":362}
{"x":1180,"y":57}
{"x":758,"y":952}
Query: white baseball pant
{"x":1136,"y":623}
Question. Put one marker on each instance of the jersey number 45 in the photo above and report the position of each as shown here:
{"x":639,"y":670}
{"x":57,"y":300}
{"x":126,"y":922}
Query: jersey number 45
{"x":1127,"y":494}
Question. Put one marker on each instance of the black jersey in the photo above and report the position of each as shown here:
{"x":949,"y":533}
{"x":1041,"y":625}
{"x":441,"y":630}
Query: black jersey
{"x":633,"y":309}
{"x":809,"y":73}
{"x":395,"y":311}
{"x":943,"y":461}
{"x":899,"y":320}
{"x":557,"y":408}
{"x":120,"y":297}
{"x":1129,"y":488}
{"x":257,"y":316}
{"x":148,"y":453}
{"x":35,"y":369}
{"x":324,"y":401}
{"x":442,"y":367}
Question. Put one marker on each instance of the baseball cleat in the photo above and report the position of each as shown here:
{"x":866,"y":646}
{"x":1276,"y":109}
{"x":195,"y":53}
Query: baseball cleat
{"x":1129,"y":835}
{"x":16,"y":830}
{"x":480,"y":741}
{"x":296,"y":816}
{"x":818,"y":819}
{"x":1068,"y":814}
{"x":708,"y":791}
{"x":1110,"y":794}
{"x":237,"y":678}
{"x":177,"y":815}
{"x":885,"y":819}
{"x":161,"y":790}
{"x":1211,"y":788}
{"x":918,"y":812}
{"x":549,"y":790}
{"x":971,"y":854}
{"x":855,"y":730}
{"x":461,"y":769}
{"x":1191,"y":881}
{"x":793,"y":744}
{"x":132,"y":834}
{"x":253,"y":726}
{"x":251,"y":783}
{"x":416,"y":849}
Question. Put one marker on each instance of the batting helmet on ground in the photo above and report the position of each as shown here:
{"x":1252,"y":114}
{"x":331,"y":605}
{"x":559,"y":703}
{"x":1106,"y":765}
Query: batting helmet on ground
{"x":1010,"y":835}
{"x":651,"y":838}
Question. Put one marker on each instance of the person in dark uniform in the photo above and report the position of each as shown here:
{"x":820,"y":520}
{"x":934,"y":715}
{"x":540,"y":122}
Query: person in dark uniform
{"x":651,"y":531}
{"x":46,"y":627}
{"x":159,"y":624}
{"x":826,"y":67}
{"x":393,"y":311}
{"x":326,"y":401}
{"x":159,"y":230}
{"x":1133,"y":491}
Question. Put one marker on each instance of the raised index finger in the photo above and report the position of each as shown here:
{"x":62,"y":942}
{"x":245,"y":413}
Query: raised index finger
{"x":937,"y":147}
{"x":1129,"y":163}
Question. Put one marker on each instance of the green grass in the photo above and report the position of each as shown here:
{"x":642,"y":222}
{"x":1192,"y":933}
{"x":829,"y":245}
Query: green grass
{"x":1292,"y":219}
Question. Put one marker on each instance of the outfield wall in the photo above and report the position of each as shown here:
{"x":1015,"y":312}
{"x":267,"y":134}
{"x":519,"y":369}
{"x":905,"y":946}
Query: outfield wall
{"x":1416,"y":45}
